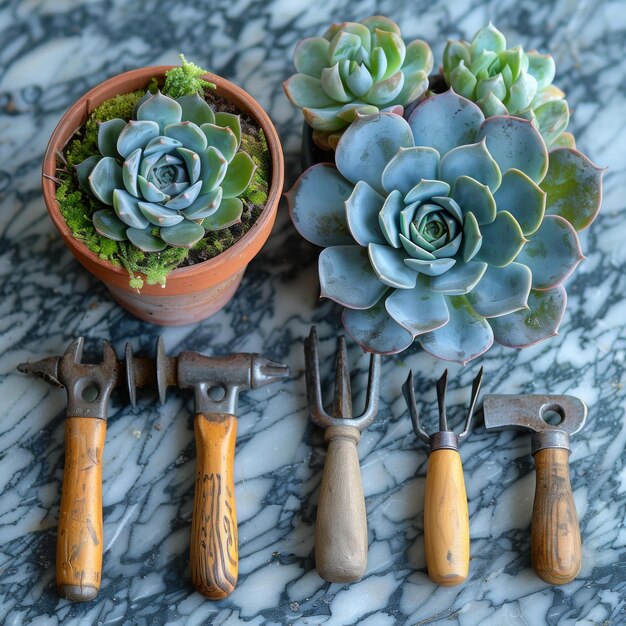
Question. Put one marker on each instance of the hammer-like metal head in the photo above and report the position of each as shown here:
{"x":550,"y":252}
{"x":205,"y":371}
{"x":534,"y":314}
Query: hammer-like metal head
{"x":530,"y":412}
{"x":217,"y":380}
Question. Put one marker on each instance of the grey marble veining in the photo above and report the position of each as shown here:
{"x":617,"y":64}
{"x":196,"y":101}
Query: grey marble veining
{"x":51,"y":52}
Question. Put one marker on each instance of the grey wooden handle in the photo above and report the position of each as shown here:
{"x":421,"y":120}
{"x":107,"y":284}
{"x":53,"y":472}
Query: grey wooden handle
{"x":341,"y":529}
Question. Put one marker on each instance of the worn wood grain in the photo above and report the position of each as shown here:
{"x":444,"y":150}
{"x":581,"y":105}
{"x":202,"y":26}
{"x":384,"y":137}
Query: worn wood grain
{"x":555,"y":534}
{"x":214,"y":551}
{"x":79,"y":540}
{"x":446,"y":519}
{"x":341,"y":527}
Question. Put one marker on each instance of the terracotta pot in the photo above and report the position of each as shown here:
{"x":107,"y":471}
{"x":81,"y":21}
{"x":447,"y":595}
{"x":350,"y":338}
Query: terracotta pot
{"x":191,"y":293}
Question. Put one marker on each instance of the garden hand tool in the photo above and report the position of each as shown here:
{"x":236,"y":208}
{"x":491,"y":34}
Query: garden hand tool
{"x":89,"y":387}
{"x":216,"y":382}
{"x":341,"y":527}
{"x":555,"y":534}
{"x":446,"y":517}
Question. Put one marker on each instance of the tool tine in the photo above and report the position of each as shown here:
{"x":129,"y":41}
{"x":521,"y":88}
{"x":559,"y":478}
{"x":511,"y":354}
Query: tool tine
{"x":74,"y":352}
{"x":408,"y":391}
{"x":161,"y":369}
{"x":109,"y":358}
{"x":312,"y":375}
{"x":373,"y":392}
{"x":131,"y":383}
{"x":342,"y":404}
{"x":442,"y":385}
{"x":476,"y":383}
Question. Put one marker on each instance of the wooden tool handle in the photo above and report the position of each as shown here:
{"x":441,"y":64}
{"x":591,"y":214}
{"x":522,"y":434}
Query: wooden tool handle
{"x":341,"y":528}
{"x":214,"y":556}
{"x":555,"y":535}
{"x":79,"y":541}
{"x":446,"y":519}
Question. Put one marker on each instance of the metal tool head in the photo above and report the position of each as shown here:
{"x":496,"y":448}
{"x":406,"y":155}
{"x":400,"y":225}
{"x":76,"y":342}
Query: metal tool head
{"x":47,"y":369}
{"x":217,"y":380}
{"x":529,"y":412}
{"x":342,"y":412}
{"x":89,"y":385}
{"x":444,"y":438}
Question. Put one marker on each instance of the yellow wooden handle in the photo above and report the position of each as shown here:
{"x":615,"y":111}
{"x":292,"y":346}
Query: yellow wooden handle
{"x":79,"y":541}
{"x":341,"y":526}
{"x":555,"y":535}
{"x":446,"y":519}
{"x":214,"y":556}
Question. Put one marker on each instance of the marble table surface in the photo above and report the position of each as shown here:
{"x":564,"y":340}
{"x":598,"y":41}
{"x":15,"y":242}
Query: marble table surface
{"x":51,"y":52}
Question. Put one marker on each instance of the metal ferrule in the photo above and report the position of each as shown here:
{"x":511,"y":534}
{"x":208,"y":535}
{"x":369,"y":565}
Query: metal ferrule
{"x":550,"y":438}
{"x":444,"y":440}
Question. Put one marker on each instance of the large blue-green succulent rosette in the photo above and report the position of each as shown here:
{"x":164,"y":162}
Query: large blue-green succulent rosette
{"x":449,"y":228}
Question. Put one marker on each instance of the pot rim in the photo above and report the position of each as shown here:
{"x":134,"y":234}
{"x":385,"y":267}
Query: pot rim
{"x":226,"y":89}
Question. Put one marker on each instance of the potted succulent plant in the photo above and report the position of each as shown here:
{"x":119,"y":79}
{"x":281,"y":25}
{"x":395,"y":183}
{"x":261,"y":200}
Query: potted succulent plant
{"x":164,"y":183}
{"x":355,"y":68}
{"x":453,"y":228}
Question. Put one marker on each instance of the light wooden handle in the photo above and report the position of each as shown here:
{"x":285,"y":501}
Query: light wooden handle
{"x":555,"y":535}
{"x":79,"y":541}
{"x":214,"y":551}
{"x":341,"y":527}
{"x":446,"y":519}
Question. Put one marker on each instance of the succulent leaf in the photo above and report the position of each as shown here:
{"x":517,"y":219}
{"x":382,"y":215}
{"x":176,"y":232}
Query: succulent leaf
{"x":108,"y":225}
{"x":105,"y":178}
{"x":460,"y":279}
{"x":552,"y":253}
{"x":362,"y":210}
{"x":188,"y":134}
{"x":388,"y":263}
{"x":84,"y":169}
{"x":376,"y":139}
{"x":430,"y":122}
{"x":239,"y":175}
{"x":419,"y":310}
{"x":317,"y":206}
{"x":573,"y":185}
{"x":182,"y":235}
{"x":466,"y":336}
{"x":145,"y":240}
{"x":228,"y":213}
{"x":221,"y":138}
{"x":409,"y":165}
{"x":160,"y":109}
{"x":136,"y":135}
{"x":540,"y":321}
{"x":376,"y":330}
{"x":502,"y":240}
{"x":108,"y":134}
{"x":502,"y":290}
{"x":204,"y":206}
{"x":127,"y":209}
{"x":158,"y":215}
{"x":311,"y":56}
{"x":473,"y":160}
{"x":515,"y":144}
{"x":347,"y":277}
{"x":195,"y":109}
{"x":521,"y":197}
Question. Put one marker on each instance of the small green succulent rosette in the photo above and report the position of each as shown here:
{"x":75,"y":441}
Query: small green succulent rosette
{"x":355,"y":67}
{"x":169,"y":175}
{"x":508,"y":81}
{"x":448,"y":228}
